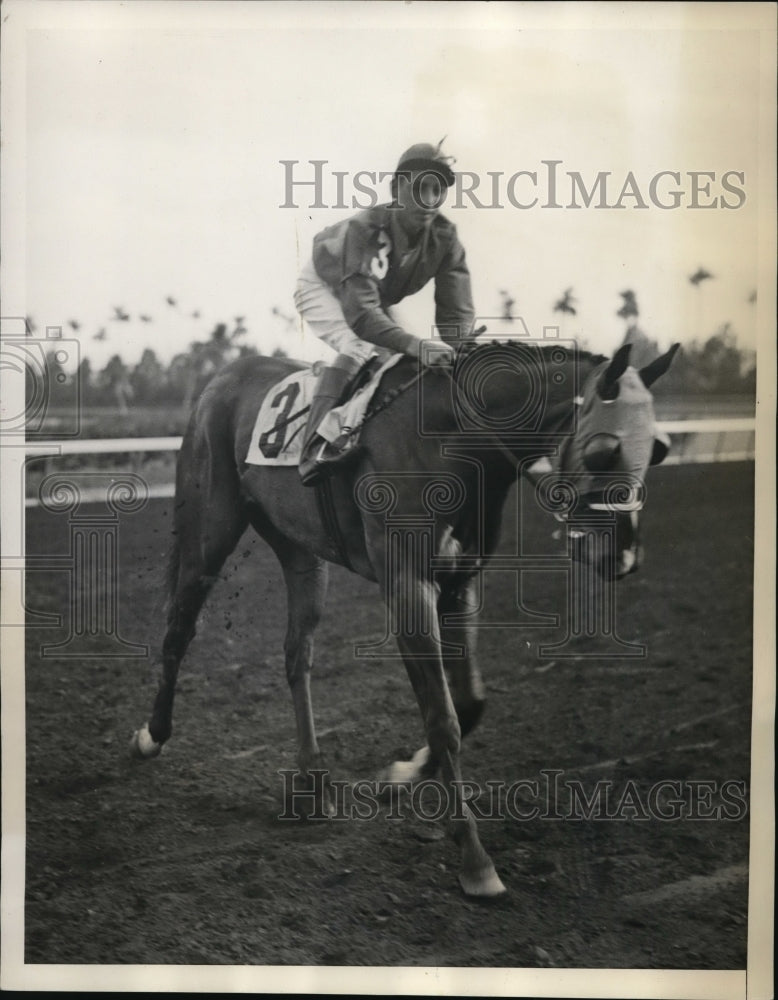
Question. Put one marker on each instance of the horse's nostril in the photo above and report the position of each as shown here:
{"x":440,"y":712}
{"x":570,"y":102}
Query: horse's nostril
{"x":601,"y":452}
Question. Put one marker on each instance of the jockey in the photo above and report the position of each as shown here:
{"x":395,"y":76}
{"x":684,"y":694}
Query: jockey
{"x":363,"y":265}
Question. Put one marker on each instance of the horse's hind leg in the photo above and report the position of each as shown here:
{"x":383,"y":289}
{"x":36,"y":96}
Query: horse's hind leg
{"x":210,"y":518}
{"x":306,"y":586}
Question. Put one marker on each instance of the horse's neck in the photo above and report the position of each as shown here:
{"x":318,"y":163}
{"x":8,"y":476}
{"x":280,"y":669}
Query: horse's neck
{"x":438,"y":402}
{"x":557,"y":418}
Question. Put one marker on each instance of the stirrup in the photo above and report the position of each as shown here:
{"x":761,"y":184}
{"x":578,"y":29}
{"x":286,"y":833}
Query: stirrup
{"x":317,"y":454}
{"x":312,"y":468}
{"x":325,"y":462}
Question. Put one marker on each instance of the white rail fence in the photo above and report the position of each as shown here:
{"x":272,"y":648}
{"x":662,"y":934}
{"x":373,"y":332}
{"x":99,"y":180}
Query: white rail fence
{"x":693,"y":441}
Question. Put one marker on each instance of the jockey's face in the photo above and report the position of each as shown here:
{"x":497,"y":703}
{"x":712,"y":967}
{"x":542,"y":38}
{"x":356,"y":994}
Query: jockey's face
{"x":419,"y":196}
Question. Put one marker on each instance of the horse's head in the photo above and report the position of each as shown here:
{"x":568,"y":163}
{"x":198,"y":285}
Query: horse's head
{"x":517,"y":396}
{"x":606,"y":457}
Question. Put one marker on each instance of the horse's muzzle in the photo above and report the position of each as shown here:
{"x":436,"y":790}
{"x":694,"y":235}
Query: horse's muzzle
{"x":621,"y":497}
{"x":612,"y":547}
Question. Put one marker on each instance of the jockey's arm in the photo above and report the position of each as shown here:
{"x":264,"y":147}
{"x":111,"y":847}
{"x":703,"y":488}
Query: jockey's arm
{"x":362,"y":309}
{"x":454,"y":311}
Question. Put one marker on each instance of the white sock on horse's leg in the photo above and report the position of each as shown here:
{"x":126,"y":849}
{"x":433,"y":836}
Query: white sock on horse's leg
{"x":143,"y":744}
{"x":406,"y":772}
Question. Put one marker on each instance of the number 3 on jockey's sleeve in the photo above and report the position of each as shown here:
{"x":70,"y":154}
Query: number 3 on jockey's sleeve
{"x":379,"y":262}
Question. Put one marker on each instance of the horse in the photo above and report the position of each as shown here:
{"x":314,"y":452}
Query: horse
{"x":448,"y":441}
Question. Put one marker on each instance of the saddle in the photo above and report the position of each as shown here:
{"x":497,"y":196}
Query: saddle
{"x":277,"y":436}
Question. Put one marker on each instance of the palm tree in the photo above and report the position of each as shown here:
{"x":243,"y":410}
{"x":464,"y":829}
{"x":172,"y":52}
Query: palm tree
{"x":148,"y":378}
{"x":289,"y":321}
{"x":566,"y":305}
{"x":699,"y":276}
{"x":58,"y":379}
{"x":644,"y":350}
{"x":508,"y":302}
{"x":289,"y":327}
{"x":217,"y":350}
{"x":179,"y":378}
{"x":84,"y":381}
{"x":696,"y":280}
{"x":116,"y":376}
{"x":629,"y":305}
{"x":203,"y":360}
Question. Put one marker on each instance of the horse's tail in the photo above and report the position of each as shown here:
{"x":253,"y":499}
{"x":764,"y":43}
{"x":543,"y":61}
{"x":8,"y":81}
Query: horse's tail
{"x":206,"y":511}
{"x":173,"y":562}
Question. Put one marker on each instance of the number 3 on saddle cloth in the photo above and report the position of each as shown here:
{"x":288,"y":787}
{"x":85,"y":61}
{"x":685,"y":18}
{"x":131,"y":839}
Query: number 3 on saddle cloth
{"x":277,"y":437}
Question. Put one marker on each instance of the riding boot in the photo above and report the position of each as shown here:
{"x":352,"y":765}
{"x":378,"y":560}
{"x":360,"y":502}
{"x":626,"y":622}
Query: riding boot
{"x":330,"y":390}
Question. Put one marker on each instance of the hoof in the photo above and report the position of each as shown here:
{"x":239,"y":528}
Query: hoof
{"x":405,"y":773}
{"x":483,"y":884}
{"x":326,"y":804}
{"x":313,"y":801}
{"x":143,"y":746}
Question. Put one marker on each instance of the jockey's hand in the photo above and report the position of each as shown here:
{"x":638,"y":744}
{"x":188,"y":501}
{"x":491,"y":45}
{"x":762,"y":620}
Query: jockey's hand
{"x":436,"y":353}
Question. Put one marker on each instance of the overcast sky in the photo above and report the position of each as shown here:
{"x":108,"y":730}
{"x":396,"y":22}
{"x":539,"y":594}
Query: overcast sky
{"x":155,"y":134}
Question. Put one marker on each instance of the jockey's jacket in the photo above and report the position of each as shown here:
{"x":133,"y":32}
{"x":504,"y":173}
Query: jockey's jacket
{"x":369,"y":265}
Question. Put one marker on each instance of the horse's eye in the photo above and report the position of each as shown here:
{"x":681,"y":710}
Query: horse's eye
{"x":601,"y":452}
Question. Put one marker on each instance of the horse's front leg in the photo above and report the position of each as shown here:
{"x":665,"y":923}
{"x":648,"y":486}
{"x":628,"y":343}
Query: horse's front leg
{"x":458,"y":606}
{"x":458,"y":603}
{"x":418,"y":638}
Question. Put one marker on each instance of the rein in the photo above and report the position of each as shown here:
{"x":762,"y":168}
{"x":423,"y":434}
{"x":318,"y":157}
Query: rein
{"x":389,"y":398}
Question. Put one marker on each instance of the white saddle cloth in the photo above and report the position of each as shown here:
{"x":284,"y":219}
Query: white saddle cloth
{"x":278,"y":432}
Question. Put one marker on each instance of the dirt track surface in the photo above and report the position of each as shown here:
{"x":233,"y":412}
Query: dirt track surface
{"x":184,"y":860}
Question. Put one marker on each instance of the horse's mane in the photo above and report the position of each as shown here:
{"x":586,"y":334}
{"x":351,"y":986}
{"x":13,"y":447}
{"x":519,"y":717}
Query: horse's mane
{"x":467,"y":347}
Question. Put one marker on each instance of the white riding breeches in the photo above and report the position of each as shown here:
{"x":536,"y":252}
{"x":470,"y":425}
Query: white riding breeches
{"x":324,"y":315}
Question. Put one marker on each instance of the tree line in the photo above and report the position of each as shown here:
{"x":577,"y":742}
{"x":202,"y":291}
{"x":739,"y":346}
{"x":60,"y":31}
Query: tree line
{"x":149,"y":383}
{"x":713,"y":366}
{"x":716,"y":365}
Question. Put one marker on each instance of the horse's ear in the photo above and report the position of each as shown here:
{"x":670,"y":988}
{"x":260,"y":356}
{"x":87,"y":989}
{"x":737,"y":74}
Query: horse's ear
{"x":606,"y":386}
{"x":479,"y":331}
{"x":658,"y":367}
{"x":661,"y":447}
